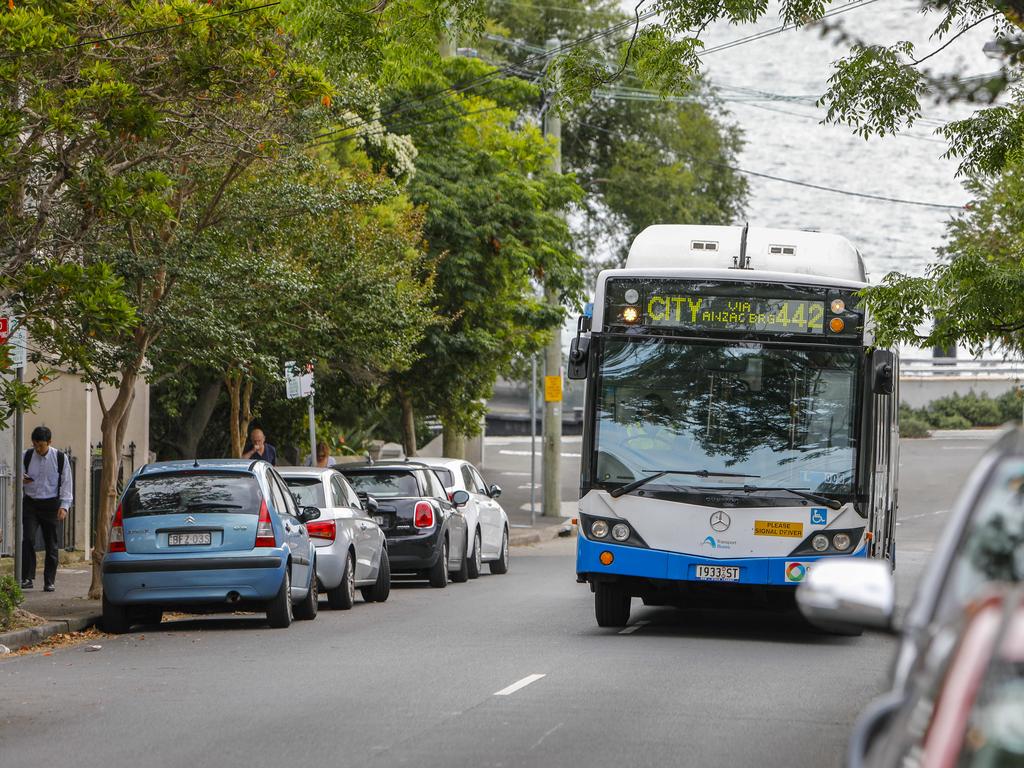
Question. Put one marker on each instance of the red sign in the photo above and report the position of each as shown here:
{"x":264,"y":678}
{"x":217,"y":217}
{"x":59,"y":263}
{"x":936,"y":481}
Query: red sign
{"x":5,"y":329}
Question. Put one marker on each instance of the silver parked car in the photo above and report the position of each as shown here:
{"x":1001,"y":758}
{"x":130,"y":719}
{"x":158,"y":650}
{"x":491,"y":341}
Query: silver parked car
{"x":351,"y":551}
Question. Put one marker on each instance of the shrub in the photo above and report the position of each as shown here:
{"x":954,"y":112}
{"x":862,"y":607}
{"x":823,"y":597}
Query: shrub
{"x":951,"y":421}
{"x":10,"y":598}
{"x":914,"y":426}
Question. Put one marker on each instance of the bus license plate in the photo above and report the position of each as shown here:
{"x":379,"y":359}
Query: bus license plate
{"x":188,"y":539}
{"x":718,"y":572}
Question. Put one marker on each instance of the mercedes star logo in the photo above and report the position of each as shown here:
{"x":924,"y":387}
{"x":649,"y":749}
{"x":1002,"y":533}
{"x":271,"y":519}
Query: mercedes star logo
{"x":191,"y":521}
{"x":720,"y":521}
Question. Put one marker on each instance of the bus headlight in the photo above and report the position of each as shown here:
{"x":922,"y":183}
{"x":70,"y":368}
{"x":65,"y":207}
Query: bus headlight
{"x":599,"y":529}
{"x":841,"y":541}
{"x":620,"y":532}
{"x":820,"y":542}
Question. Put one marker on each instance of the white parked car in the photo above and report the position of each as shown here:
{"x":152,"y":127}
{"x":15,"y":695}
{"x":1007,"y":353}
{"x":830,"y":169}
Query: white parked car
{"x":486,"y":521}
{"x":351,"y":551}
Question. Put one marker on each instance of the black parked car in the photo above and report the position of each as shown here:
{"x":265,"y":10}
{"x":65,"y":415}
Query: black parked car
{"x":426,"y":531}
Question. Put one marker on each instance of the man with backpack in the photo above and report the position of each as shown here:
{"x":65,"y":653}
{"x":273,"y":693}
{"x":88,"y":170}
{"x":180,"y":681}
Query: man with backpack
{"x":47,"y":498}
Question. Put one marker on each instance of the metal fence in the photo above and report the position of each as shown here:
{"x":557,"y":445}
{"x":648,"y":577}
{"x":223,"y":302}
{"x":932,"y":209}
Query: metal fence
{"x":927,"y":367}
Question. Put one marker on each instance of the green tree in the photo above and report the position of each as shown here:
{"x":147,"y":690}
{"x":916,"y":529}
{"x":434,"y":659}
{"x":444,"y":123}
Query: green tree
{"x":495,"y":230}
{"x":121,"y":129}
{"x":971,"y":296}
{"x":641,"y":161}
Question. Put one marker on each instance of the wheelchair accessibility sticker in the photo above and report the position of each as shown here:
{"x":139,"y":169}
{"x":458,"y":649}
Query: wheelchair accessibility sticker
{"x":819,"y":516}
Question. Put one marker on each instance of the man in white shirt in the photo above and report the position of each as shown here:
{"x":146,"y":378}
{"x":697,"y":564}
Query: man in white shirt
{"x":48,"y":489}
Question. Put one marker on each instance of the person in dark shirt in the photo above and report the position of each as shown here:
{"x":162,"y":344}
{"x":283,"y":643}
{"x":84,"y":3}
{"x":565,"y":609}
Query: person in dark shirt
{"x":261,"y":449}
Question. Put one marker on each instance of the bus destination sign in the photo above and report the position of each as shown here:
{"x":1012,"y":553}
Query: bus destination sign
{"x":736,"y":313}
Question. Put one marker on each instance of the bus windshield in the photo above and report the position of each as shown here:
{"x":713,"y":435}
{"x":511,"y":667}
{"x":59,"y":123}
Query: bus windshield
{"x":785,"y":415}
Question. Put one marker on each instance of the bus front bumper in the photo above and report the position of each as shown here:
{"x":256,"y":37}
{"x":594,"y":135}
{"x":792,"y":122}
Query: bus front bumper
{"x":639,"y":563}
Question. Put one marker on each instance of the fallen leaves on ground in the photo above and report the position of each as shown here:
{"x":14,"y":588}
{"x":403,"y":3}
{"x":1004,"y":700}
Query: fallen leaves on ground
{"x":61,"y":641}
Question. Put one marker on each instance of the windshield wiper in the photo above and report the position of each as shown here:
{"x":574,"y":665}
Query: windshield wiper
{"x":622,"y":490}
{"x":816,"y":498}
{"x":212,"y":505}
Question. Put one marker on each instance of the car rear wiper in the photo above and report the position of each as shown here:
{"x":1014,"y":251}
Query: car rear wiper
{"x":816,"y":498}
{"x":212,"y":505}
{"x":624,"y":489}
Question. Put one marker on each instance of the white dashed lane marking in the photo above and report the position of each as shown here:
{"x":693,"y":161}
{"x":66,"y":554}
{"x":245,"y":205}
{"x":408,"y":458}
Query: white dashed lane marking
{"x":518,"y":685}
{"x":633,"y":628}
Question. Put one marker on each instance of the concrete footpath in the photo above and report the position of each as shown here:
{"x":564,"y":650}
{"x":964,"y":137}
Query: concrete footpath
{"x":68,"y":609}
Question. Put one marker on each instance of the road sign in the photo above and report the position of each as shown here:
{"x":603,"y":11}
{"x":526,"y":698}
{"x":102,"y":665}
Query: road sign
{"x":5,"y":329}
{"x":17,"y":343}
{"x":297,"y":386}
{"x":552,"y":389}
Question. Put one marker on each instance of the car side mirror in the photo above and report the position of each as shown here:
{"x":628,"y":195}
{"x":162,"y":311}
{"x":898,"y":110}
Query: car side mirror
{"x":309,"y":513}
{"x":848,"y":595}
{"x":883,"y":365}
{"x":460,"y":498}
{"x":494,"y":491}
{"x":369,"y":504}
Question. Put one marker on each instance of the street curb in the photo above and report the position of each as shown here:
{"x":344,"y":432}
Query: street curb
{"x":526,"y":538}
{"x":21,"y":638}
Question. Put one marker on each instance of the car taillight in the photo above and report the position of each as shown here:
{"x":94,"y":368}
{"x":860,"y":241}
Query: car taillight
{"x":423,"y":517}
{"x":264,"y":528}
{"x":116,"y":543}
{"x":323,"y":529}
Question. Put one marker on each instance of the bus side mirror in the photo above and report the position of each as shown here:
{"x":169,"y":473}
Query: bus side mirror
{"x":883,"y":363}
{"x":578,"y":353}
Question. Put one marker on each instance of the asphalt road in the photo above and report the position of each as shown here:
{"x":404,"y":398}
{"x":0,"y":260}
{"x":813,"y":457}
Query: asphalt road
{"x":415,"y":681}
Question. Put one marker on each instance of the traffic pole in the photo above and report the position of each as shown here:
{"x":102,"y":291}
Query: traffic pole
{"x":552,"y":452}
{"x":532,"y":441}
{"x":312,"y":431}
{"x":19,"y":466}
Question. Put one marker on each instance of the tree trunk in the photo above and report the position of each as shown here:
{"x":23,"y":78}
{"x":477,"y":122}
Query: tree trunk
{"x":240,"y":397}
{"x":112,"y":427}
{"x":453,"y":442}
{"x":408,"y":424}
{"x":185,"y":442}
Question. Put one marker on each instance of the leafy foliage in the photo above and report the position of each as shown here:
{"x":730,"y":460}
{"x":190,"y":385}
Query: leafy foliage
{"x":11,"y":597}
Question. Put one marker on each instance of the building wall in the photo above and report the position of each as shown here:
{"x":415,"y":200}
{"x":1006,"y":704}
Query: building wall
{"x":71,"y":410}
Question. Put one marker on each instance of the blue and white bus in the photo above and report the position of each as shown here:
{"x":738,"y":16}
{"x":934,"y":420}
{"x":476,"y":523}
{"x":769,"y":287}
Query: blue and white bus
{"x":739,"y":423}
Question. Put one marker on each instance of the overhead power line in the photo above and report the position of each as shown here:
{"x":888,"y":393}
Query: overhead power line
{"x":800,"y":183}
{"x":138,"y":33}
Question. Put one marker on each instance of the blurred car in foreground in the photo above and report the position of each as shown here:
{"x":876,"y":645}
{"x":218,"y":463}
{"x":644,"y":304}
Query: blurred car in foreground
{"x":966,"y":707}
{"x":426,"y":532}
{"x":982,"y":544}
{"x":485,"y":519}
{"x":215,"y":535}
{"x":350,"y":549}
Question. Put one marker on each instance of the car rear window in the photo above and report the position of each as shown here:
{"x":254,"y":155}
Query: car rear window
{"x":384,"y":484}
{"x":193,"y":493}
{"x":308,"y":491}
{"x":446,"y":477}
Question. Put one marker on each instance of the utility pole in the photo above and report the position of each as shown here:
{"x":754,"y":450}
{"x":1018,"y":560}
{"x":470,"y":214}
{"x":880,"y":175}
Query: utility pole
{"x":551,"y":505}
{"x":19,"y":466}
{"x":447,"y":44}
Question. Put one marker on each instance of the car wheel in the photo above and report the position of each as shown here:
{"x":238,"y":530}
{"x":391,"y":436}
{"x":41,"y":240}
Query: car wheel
{"x":611,"y":605}
{"x":438,"y":573}
{"x":115,"y":618}
{"x":343,"y":597}
{"x":307,"y":609}
{"x":500,"y":565}
{"x":379,"y":592}
{"x":279,"y":609}
{"x":150,"y":615}
{"x":476,"y":561}
{"x":461,"y":574}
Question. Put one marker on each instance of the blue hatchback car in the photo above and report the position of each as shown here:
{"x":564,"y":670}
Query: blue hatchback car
{"x":212,"y":535}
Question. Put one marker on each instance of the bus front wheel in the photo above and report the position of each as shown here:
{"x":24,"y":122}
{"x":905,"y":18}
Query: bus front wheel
{"x":611,"y":605}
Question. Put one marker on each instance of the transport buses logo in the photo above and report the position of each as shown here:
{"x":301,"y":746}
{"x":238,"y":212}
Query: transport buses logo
{"x":796,"y":572}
